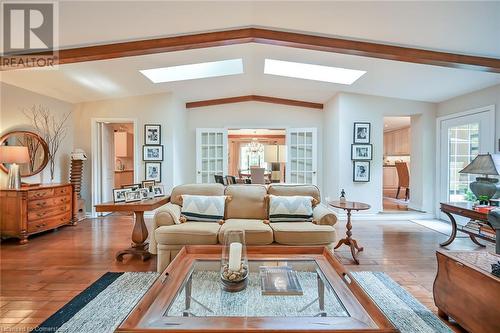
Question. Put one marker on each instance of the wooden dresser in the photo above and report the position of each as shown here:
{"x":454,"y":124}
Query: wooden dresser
{"x":465,"y":290}
{"x":31,"y":210}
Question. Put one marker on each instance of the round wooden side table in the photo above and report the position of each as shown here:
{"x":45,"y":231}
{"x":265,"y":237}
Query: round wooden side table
{"x":349,"y":206}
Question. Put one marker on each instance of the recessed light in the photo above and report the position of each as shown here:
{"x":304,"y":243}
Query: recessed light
{"x":312,"y":72}
{"x":194,"y":71}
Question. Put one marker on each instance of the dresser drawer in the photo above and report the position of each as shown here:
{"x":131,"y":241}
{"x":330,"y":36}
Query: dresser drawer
{"x":48,"y":203}
{"x":42,"y":213}
{"x":40,"y":194}
{"x":49,"y":223}
{"x":62,"y":190}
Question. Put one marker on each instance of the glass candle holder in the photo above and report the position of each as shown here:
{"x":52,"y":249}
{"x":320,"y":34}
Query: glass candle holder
{"x":234,"y":261}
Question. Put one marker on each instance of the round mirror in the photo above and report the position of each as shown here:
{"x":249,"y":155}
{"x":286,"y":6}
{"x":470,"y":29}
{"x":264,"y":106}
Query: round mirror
{"x":38,"y":151}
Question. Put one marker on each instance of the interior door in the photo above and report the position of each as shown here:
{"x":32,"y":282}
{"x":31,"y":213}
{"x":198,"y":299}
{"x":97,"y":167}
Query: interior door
{"x":107,"y":162}
{"x":461,"y":139}
{"x":211,"y":154}
{"x":301,"y":166}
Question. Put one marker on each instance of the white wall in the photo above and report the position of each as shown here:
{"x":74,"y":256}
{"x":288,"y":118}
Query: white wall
{"x":161,"y":109}
{"x":12,"y":101}
{"x":474,"y":100}
{"x":341,"y":113}
{"x":250,"y":115}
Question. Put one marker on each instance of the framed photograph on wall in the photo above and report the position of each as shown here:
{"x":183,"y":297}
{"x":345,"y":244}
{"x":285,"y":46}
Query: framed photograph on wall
{"x":152,"y":171}
{"x":361,"y":152}
{"x":361,"y":171}
{"x":152,"y":153}
{"x":152,"y":134}
{"x":119,"y":194}
{"x":362,"y":132}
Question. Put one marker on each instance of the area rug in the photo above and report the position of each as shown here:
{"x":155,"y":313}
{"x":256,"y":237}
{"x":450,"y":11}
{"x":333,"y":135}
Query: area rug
{"x":102,"y":306}
{"x":440,"y":226}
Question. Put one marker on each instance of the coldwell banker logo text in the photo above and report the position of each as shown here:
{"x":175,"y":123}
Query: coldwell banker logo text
{"x":29,"y":34}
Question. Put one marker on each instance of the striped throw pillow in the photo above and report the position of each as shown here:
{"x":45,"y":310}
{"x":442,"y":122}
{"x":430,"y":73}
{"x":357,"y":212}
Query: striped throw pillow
{"x":203,"y":208}
{"x":290,"y":208}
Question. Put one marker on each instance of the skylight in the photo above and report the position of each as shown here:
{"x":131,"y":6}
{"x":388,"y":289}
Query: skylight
{"x":312,"y":72}
{"x":194,"y":71}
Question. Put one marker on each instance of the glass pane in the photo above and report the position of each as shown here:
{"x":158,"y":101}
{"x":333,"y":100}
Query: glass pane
{"x":219,"y":152}
{"x":219,"y":138}
{"x":204,"y":177}
{"x":219,"y":167}
{"x":293,"y":138}
{"x":204,"y":138}
{"x":202,"y":296}
{"x":308,"y":165}
{"x":204,"y":152}
{"x":212,"y":165}
{"x":293,"y":152}
{"x":212,"y":138}
{"x":309,"y":153}
{"x":204,"y":165}
{"x":463,"y":146}
{"x":301,"y":152}
{"x":309,"y":139}
{"x":293,"y":165}
{"x":309,"y":178}
{"x":302,"y":138}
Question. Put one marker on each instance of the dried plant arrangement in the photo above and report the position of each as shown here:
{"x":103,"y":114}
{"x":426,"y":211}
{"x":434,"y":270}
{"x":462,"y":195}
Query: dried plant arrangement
{"x":52,"y":129}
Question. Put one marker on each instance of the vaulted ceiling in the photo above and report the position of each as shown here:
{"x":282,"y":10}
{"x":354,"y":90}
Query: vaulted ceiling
{"x":469,"y":28}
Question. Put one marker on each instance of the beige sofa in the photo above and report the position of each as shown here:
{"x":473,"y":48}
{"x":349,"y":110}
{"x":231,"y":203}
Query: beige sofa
{"x":247,"y":211}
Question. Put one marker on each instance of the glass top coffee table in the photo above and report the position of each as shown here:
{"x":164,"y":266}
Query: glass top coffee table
{"x":188,"y":296}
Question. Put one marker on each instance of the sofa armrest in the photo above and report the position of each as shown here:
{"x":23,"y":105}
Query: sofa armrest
{"x":167,"y":214}
{"x":324,"y":216}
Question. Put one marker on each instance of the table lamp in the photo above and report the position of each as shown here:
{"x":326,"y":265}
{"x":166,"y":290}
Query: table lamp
{"x":486,"y":165}
{"x":14,"y":155}
{"x":275,"y":154}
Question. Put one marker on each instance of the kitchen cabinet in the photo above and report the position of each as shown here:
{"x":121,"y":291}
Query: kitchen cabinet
{"x":125,"y":177}
{"x":390,"y":177}
{"x":124,"y":144}
{"x":397,"y":142}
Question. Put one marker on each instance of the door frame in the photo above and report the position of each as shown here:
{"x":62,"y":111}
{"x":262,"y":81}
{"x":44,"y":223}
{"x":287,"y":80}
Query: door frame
{"x":94,"y":150}
{"x":490,"y":109}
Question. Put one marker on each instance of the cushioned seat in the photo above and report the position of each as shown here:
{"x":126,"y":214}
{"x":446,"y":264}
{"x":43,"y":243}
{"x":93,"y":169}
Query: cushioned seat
{"x":303,"y":233}
{"x":256,"y":231}
{"x":189,"y":233}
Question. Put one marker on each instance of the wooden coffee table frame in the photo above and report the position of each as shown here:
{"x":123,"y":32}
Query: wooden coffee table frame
{"x":148,"y":314}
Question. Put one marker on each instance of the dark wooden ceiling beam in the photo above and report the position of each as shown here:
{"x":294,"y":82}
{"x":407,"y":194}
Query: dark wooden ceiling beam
{"x":254,"y":98}
{"x":280,"y":38}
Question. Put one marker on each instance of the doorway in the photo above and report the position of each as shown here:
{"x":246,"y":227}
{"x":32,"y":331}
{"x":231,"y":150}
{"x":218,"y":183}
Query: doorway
{"x":461,"y":138}
{"x":396,"y":164}
{"x":114,"y":157}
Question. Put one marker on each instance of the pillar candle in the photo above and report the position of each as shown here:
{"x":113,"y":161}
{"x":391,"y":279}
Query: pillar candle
{"x":235,"y":256}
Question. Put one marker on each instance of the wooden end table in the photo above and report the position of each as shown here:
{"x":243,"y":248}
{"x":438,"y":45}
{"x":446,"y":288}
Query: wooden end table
{"x":140,"y":233}
{"x":349,"y":206}
{"x":464,"y":209}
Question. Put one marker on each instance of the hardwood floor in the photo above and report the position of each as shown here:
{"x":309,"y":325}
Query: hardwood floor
{"x":38,"y":278}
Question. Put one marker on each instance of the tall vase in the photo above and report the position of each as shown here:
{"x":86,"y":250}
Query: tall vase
{"x":234,"y":261}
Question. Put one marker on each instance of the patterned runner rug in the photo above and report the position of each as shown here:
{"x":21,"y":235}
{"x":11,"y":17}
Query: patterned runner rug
{"x":102,"y":306}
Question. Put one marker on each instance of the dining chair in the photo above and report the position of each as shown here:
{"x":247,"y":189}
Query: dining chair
{"x":220,"y":179}
{"x":230,"y":180}
{"x":403,"y":178}
{"x":257,"y":175}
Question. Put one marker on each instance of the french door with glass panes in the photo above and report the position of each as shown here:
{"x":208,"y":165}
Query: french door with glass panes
{"x":211,"y":154}
{"x":461,"y":140}
{"x":302,"y":156}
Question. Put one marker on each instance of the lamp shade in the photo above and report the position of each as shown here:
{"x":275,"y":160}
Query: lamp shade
{"x":14,"y":154}
{"x":483,"y":164}
{"x":275,"y":154}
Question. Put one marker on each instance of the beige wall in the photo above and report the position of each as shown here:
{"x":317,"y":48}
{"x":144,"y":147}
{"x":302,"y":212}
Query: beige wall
{"x":340,"y":114}
{"x":474,"y":100}
{"x":12,"y":101}
{"x":161,"y":109}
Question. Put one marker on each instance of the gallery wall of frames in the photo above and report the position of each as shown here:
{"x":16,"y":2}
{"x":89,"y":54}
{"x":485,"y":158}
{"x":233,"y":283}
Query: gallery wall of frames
{"x":361,"y":152}
{"x":152,"y":155}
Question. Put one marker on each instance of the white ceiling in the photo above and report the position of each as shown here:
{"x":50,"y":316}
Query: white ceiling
{"x":116,"y":78}
{"x":394,"y":123}
{"x":256,"y":131}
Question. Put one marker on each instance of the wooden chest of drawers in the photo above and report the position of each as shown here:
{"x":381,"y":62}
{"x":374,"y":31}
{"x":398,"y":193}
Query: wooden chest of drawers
{"x":35,"y":209}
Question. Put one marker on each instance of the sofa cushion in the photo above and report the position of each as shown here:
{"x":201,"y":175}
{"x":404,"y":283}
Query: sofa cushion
{"x":203,"y":208}
{"x":256,"y":232}
{"x":303,"y":233}
{"x":294,"y":208}
{"x":189,"y":233}
{"x":247,"y":202}
{"x":195,"y":189}
{"x":288,"y":190}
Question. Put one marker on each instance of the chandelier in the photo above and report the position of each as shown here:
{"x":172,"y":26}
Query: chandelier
{"x":255,"y":146}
